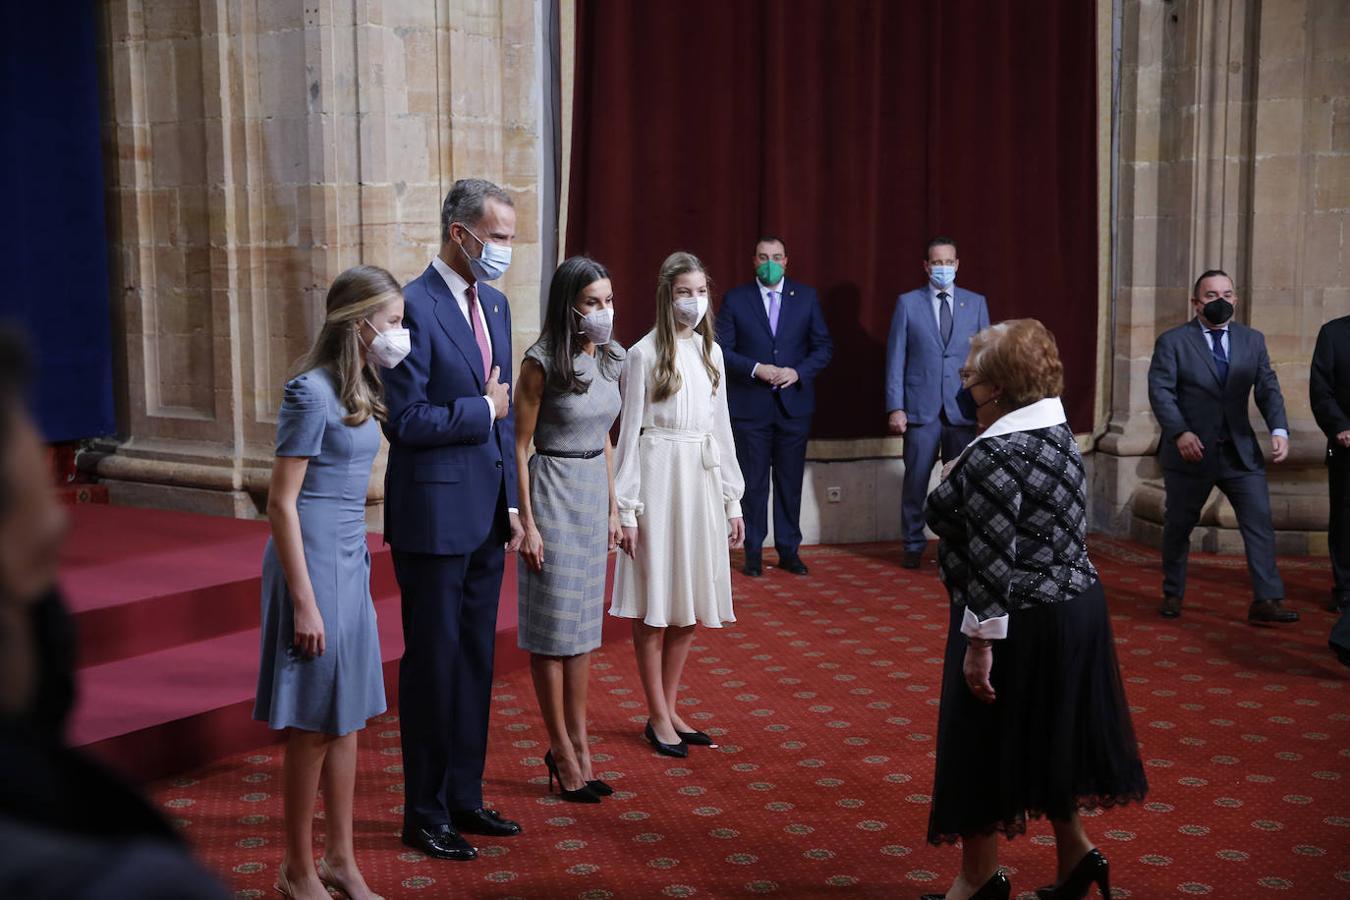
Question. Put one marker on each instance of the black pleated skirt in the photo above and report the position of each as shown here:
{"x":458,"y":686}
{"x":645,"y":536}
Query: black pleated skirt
{"x":1057,"y":739}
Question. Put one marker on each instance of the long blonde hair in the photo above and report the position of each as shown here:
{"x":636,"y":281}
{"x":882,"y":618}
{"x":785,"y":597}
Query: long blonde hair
{"x":356,"y":295}
{"x":666,"y":381}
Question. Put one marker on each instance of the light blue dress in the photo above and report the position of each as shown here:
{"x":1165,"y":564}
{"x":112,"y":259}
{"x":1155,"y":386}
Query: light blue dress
{"x":337,"y":692}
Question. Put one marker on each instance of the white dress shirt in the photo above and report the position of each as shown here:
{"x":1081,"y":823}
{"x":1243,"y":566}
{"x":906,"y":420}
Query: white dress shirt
{"x":1205,"y":329}
{"x":768,"y":308}
{"x":950,"y":291}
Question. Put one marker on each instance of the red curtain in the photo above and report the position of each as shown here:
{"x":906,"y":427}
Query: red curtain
{"x":856,"y":130}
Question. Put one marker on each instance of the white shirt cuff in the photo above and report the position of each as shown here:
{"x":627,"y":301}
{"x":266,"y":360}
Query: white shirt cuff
{"x":492,"y":411}
{"x":753,"y":370}
{"x":1279,"y":432}
{"x":994,"y":629}
{"x":628,"y":518}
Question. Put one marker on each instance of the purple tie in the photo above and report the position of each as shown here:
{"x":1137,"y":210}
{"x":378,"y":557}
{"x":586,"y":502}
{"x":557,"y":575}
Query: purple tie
{"x":773,"y":312}
{"x":479,"y":336}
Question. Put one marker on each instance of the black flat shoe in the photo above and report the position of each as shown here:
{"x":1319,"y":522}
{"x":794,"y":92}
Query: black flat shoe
{"x":679,"y":751}
{"x":696,"y":738}
{"x":753,"y":567}
{"x":996,"y":888}
{"x":1170,"y":607}
{"x":441,"y":842}
{"x":1268,"y":612}
{"x":912,"y":559}
{"x":583,"y":794}
{"x":1093,"y":867}
{"x":483,"y":821}
{"x":599,"y":787}
{"x":794,"y":565}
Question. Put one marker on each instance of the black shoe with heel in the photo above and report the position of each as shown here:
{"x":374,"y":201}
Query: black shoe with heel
{"x":599,"y":787}
{"x":583,"y":794}
{"x":996,"y":888}
{"x":1092,"y":868}
{"x":679,"y":751}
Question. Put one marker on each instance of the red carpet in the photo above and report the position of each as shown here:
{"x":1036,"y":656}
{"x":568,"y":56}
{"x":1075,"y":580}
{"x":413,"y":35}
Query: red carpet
{"x":824,"y":695}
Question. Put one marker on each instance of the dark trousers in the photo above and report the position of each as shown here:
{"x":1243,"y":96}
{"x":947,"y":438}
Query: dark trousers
{"x":445,"y":676}
{"x":1246,"y":489}
{"x":1338,"y":530}
{"x":921,"y":446}
{"x":772,"y":447}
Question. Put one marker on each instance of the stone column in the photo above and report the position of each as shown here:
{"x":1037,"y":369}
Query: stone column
{"x":1227,"y":110}
{"x":254,"y":152}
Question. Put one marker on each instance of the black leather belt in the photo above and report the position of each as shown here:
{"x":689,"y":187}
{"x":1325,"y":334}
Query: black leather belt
{"x":570,"y":454}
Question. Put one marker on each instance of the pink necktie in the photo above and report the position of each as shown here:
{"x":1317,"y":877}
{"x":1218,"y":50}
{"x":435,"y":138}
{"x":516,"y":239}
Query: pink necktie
{"x":773,"y":312}
{"x":479,"y":336}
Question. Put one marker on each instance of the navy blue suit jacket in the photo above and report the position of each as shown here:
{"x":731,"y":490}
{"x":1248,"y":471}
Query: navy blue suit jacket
{"x":802,"y":343}
{"x":922,"y":376}
{"x":447,"y":459}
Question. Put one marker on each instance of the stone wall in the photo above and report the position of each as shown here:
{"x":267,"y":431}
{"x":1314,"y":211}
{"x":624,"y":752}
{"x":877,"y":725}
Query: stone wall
{"x":1234,"y":141}
{"x":255,"y":150}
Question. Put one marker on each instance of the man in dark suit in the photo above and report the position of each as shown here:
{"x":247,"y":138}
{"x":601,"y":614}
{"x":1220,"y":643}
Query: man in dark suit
{"x":450,"y":497}
{"x":1199,"y":383}
{"x":929,"y":341}
{"x":1329,"y":391}
{"x":775,"y":343}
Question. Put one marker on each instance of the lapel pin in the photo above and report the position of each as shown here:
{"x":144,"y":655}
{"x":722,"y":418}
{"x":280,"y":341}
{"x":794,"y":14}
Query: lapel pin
{"x":494,"y":307}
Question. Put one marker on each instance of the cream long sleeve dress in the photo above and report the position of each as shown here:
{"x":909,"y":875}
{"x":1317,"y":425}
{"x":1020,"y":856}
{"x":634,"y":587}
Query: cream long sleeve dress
{"x":676,"y":478}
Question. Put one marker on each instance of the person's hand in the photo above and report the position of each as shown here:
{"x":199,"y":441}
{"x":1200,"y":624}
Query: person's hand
{"x":1189,"y":446}
{"x":308,"y":627}
{"x":532,"y":548}
{"x":615,"y":530}
{"x":628,"y":540}
{"x":498,"y":393}
{"x":978,"y":664}
{"x":1344,"y":438}
{"x":1279,"y":448}
{"x":947,"y":469}
{"x":517,"y":533}
{"x":736,"y":540}
{"x":767,"y":373}
{"x":787,"y":377}
{"x":897,"y":422}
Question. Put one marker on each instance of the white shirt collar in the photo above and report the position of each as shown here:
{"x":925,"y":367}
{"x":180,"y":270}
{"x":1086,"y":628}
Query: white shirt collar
{"x":1205,"y":327}
{"x":1041,"y":414}
{"x":777,"y":288}
{"x":459,"y":288}
{"x":949,"y":290}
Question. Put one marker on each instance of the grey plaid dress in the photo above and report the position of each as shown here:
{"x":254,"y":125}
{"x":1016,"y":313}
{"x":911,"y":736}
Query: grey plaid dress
{"x":562,"y":608}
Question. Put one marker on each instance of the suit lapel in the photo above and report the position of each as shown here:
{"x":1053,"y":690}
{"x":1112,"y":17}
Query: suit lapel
{"x":454,"y":324}
{"x":963,"y":313}
{"x":1196,"y":335}
{"x":925,"y":313}
{"x":761,"y":314}
{"x":496,"y":321}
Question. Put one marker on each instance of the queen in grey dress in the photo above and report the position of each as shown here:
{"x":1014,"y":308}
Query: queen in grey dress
{"x":567,"y":398}
{"x":319,"y":672}
{"x":336,"y":692}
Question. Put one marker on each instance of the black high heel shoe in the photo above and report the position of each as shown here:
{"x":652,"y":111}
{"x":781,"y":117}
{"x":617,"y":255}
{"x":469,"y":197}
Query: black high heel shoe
{"x":1093,"y":867}
{"x":679,"y":751}
{"x":599,"y":787}
{"x":582,"y":794}
{"x":996,"y":888}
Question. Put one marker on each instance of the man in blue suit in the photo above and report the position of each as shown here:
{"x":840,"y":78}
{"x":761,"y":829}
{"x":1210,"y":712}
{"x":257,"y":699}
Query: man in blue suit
{"x":450,"y":498}
{"x":930,"y":338}
{"x":775,"y":343}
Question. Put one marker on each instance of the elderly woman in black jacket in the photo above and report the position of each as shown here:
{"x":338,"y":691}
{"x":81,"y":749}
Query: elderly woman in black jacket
{"x":1033,"y":719}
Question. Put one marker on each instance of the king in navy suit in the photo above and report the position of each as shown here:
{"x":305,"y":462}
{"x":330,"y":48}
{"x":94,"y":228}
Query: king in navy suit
{"x":450,"y":497}
{"x":775,"y":343}
{"x":929,"y":341}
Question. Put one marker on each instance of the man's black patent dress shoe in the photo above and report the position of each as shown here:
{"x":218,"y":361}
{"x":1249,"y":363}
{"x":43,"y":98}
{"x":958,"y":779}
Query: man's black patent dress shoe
{"x":996,"y":888}
{"x":483,"y":821}
{"x":1170,"y":608}
{"x":754,"y":567}
{"x":911,"y":559}
{"x":1270,"y":612}
{"x":792,"y":564}
{"x":440,"y":841}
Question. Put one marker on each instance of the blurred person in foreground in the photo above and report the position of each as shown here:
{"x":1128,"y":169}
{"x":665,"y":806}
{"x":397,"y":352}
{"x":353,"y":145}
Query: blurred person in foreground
{"x":1033,"y":718}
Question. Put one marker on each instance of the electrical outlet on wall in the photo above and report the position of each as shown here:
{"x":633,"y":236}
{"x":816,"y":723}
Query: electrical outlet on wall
{"x":834,"y":494}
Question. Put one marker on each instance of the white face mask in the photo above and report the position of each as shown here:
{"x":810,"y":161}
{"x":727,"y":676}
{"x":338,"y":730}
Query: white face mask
{"x":597,"y":325}
{"x":389,"y":348}
{"x":691,"y":310}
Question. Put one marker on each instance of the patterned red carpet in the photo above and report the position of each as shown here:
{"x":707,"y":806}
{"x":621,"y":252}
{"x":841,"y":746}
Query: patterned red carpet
{"x":824,"y":696}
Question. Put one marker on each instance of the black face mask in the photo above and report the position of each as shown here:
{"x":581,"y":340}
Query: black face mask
{"x":965,"y":402}
{"x":1218,"y":311}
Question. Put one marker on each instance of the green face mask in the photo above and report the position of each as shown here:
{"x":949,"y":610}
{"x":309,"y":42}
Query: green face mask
{"x":769,"y":273}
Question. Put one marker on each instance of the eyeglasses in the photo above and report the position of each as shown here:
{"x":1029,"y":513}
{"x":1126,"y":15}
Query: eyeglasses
{"x":967,"y":375}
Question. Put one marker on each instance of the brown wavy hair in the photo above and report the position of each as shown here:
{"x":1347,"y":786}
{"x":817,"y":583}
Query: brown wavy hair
{"x":666,"y":381}
{"x":356,"y":294}
{"x":1020,"y":356}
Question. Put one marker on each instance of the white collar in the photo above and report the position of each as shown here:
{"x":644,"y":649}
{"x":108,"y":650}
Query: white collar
{"x":950,"y":290}
{"x":1206,"y":328}
{"x":777,"y":288}
{"x":1041,"y":414}
{"x":459,"y":288}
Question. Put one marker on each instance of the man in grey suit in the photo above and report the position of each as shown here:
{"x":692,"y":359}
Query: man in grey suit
{"x":930,"y":338}
{"x":1199,"y":383}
